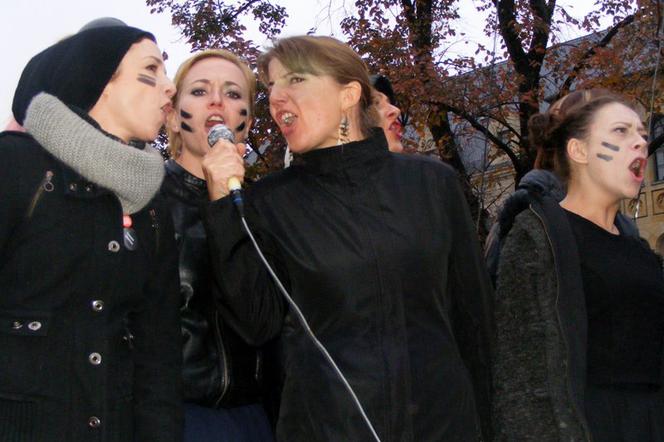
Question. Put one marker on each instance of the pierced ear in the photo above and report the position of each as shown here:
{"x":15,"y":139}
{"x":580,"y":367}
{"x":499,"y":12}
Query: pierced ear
{"x":351,"y":94}
{"x":577,"y":151}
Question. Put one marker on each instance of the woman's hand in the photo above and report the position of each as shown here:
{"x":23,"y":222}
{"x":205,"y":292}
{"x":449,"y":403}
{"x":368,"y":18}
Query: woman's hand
{"x":222,"y":162}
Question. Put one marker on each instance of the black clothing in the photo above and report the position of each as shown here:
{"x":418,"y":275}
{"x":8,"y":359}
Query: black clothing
{"x":624,"y":291}
{"x":219,"y":369}
{"x":76,"y":69}
{"x":379,"y":252}
{"x":617,"y":413}
{"x":535,"y":184}
{"x":89,"y":338}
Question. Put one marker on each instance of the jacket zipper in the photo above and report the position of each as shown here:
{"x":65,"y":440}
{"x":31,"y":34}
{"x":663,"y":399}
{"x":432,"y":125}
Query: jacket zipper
{"x":44,"y":185}
{"x":562,"y":334}
{"x":225,"y":375}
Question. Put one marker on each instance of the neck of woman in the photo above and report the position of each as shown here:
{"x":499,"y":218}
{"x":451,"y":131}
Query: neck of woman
{"x":191,"y":163}
{"x":600,"y":209}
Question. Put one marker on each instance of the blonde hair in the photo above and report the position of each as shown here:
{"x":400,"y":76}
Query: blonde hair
{"x":174,"y":138}
{"x":319,"y":55}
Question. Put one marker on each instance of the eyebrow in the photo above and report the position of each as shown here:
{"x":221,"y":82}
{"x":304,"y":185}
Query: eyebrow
{"x":226,"y":83}
{"x":156,"y":59}
{"x":287,"y":74}
{"x":638,"y":126}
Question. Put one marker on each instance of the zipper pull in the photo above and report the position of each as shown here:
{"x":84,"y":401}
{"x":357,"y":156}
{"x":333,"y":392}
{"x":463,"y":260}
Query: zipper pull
{"x":47,"y":185}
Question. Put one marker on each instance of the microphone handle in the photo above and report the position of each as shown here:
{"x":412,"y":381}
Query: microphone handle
{"x":236,"y":194}
{"x":234,"y":184}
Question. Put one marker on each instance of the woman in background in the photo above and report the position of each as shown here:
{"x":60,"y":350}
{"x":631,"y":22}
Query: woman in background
{"x":580,"y":300}
{"x":389,"y":114}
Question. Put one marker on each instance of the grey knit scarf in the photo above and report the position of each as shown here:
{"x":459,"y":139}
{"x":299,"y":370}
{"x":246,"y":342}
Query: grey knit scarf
{"x":134,"y":175}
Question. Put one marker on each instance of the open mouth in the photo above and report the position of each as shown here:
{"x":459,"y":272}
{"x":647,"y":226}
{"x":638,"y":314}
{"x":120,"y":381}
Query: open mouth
{"x":637,"y":167}
{"x":213,"y":120}
{"x":396,"y":128}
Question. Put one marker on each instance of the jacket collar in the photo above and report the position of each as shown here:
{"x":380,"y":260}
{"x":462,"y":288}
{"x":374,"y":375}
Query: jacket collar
{"x":184,"y":183}
{"x":345,"y":157}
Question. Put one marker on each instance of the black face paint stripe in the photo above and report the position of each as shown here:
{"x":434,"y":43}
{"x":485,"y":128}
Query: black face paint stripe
{"x":604,"y":157}
{"x":244,"y":112}
{"x":185,"y":114}
{"x":613,"y":147}
{"x":241,"y":127}
{"x":147,"y":80}
{"x":186,"y":127}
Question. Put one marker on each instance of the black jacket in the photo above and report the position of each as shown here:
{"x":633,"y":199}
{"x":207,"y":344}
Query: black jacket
{"x":535,"y":184}
{"x":219,"y":369}
{"x":379,"y":252}
{"x":89,"y":336}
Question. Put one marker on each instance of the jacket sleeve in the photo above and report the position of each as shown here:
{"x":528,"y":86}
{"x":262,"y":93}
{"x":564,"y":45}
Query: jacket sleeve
{"x":157,"y":350}
{"x":246,"y":295}
{"x":471,"y":294}
{"x":522,"y":404}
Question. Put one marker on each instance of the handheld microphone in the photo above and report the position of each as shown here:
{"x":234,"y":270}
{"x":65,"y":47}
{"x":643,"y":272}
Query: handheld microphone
{"x":222,"y":132}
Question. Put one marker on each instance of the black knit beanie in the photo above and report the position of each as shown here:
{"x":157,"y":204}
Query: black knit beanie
{"x":76,"y":69}
{"x":382,"y":84}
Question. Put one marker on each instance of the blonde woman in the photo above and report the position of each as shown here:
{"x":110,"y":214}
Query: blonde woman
{"x":222,"y":374}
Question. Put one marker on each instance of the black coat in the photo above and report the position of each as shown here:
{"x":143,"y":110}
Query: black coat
{"x":89,"y":331}
{"x":380,"y":253}
{"x":219,"y":369}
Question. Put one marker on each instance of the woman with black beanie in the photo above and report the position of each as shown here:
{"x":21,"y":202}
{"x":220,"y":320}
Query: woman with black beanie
{"x":89,"y":326}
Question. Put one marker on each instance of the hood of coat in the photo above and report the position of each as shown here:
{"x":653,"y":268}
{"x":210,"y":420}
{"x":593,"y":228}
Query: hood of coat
{"x":543,"y":182}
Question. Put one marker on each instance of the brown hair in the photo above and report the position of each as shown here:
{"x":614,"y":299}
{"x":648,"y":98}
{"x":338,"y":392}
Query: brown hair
{"x":174,"y":138}
{"x":319,"y":55}
{"x":569,"y":117}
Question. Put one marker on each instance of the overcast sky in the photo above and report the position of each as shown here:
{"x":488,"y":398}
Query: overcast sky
{"x":29,"y":26}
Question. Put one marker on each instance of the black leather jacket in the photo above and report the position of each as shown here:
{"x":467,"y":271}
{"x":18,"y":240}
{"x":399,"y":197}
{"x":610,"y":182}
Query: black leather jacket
{"x":219,"y":369}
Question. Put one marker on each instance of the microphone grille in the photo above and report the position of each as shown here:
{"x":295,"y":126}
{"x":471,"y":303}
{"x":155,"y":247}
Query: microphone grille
{"x":220,"y":132}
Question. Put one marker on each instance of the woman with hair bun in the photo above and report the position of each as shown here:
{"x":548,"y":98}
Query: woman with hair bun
{"x":377,"y":249}
{"x":579,"y":300}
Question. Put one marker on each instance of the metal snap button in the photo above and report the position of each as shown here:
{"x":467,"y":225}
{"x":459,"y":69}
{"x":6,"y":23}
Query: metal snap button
{"x":94,"y":358}
{"x":94,"y":422}
{"x":35,"y":325}
{"x":73,"y":187}
{"x":114,"y":246}
{"x":97,"y":305}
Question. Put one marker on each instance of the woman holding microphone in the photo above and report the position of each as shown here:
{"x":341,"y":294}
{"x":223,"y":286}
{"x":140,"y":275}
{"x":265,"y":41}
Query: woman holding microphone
{"x":377,"y":250}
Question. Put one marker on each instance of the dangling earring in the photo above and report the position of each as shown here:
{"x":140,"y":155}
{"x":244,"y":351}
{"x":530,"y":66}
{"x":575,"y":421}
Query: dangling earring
{"x":344,"y":129}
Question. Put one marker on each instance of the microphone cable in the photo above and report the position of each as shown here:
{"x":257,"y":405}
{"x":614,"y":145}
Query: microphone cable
{"x":302,"y":319}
